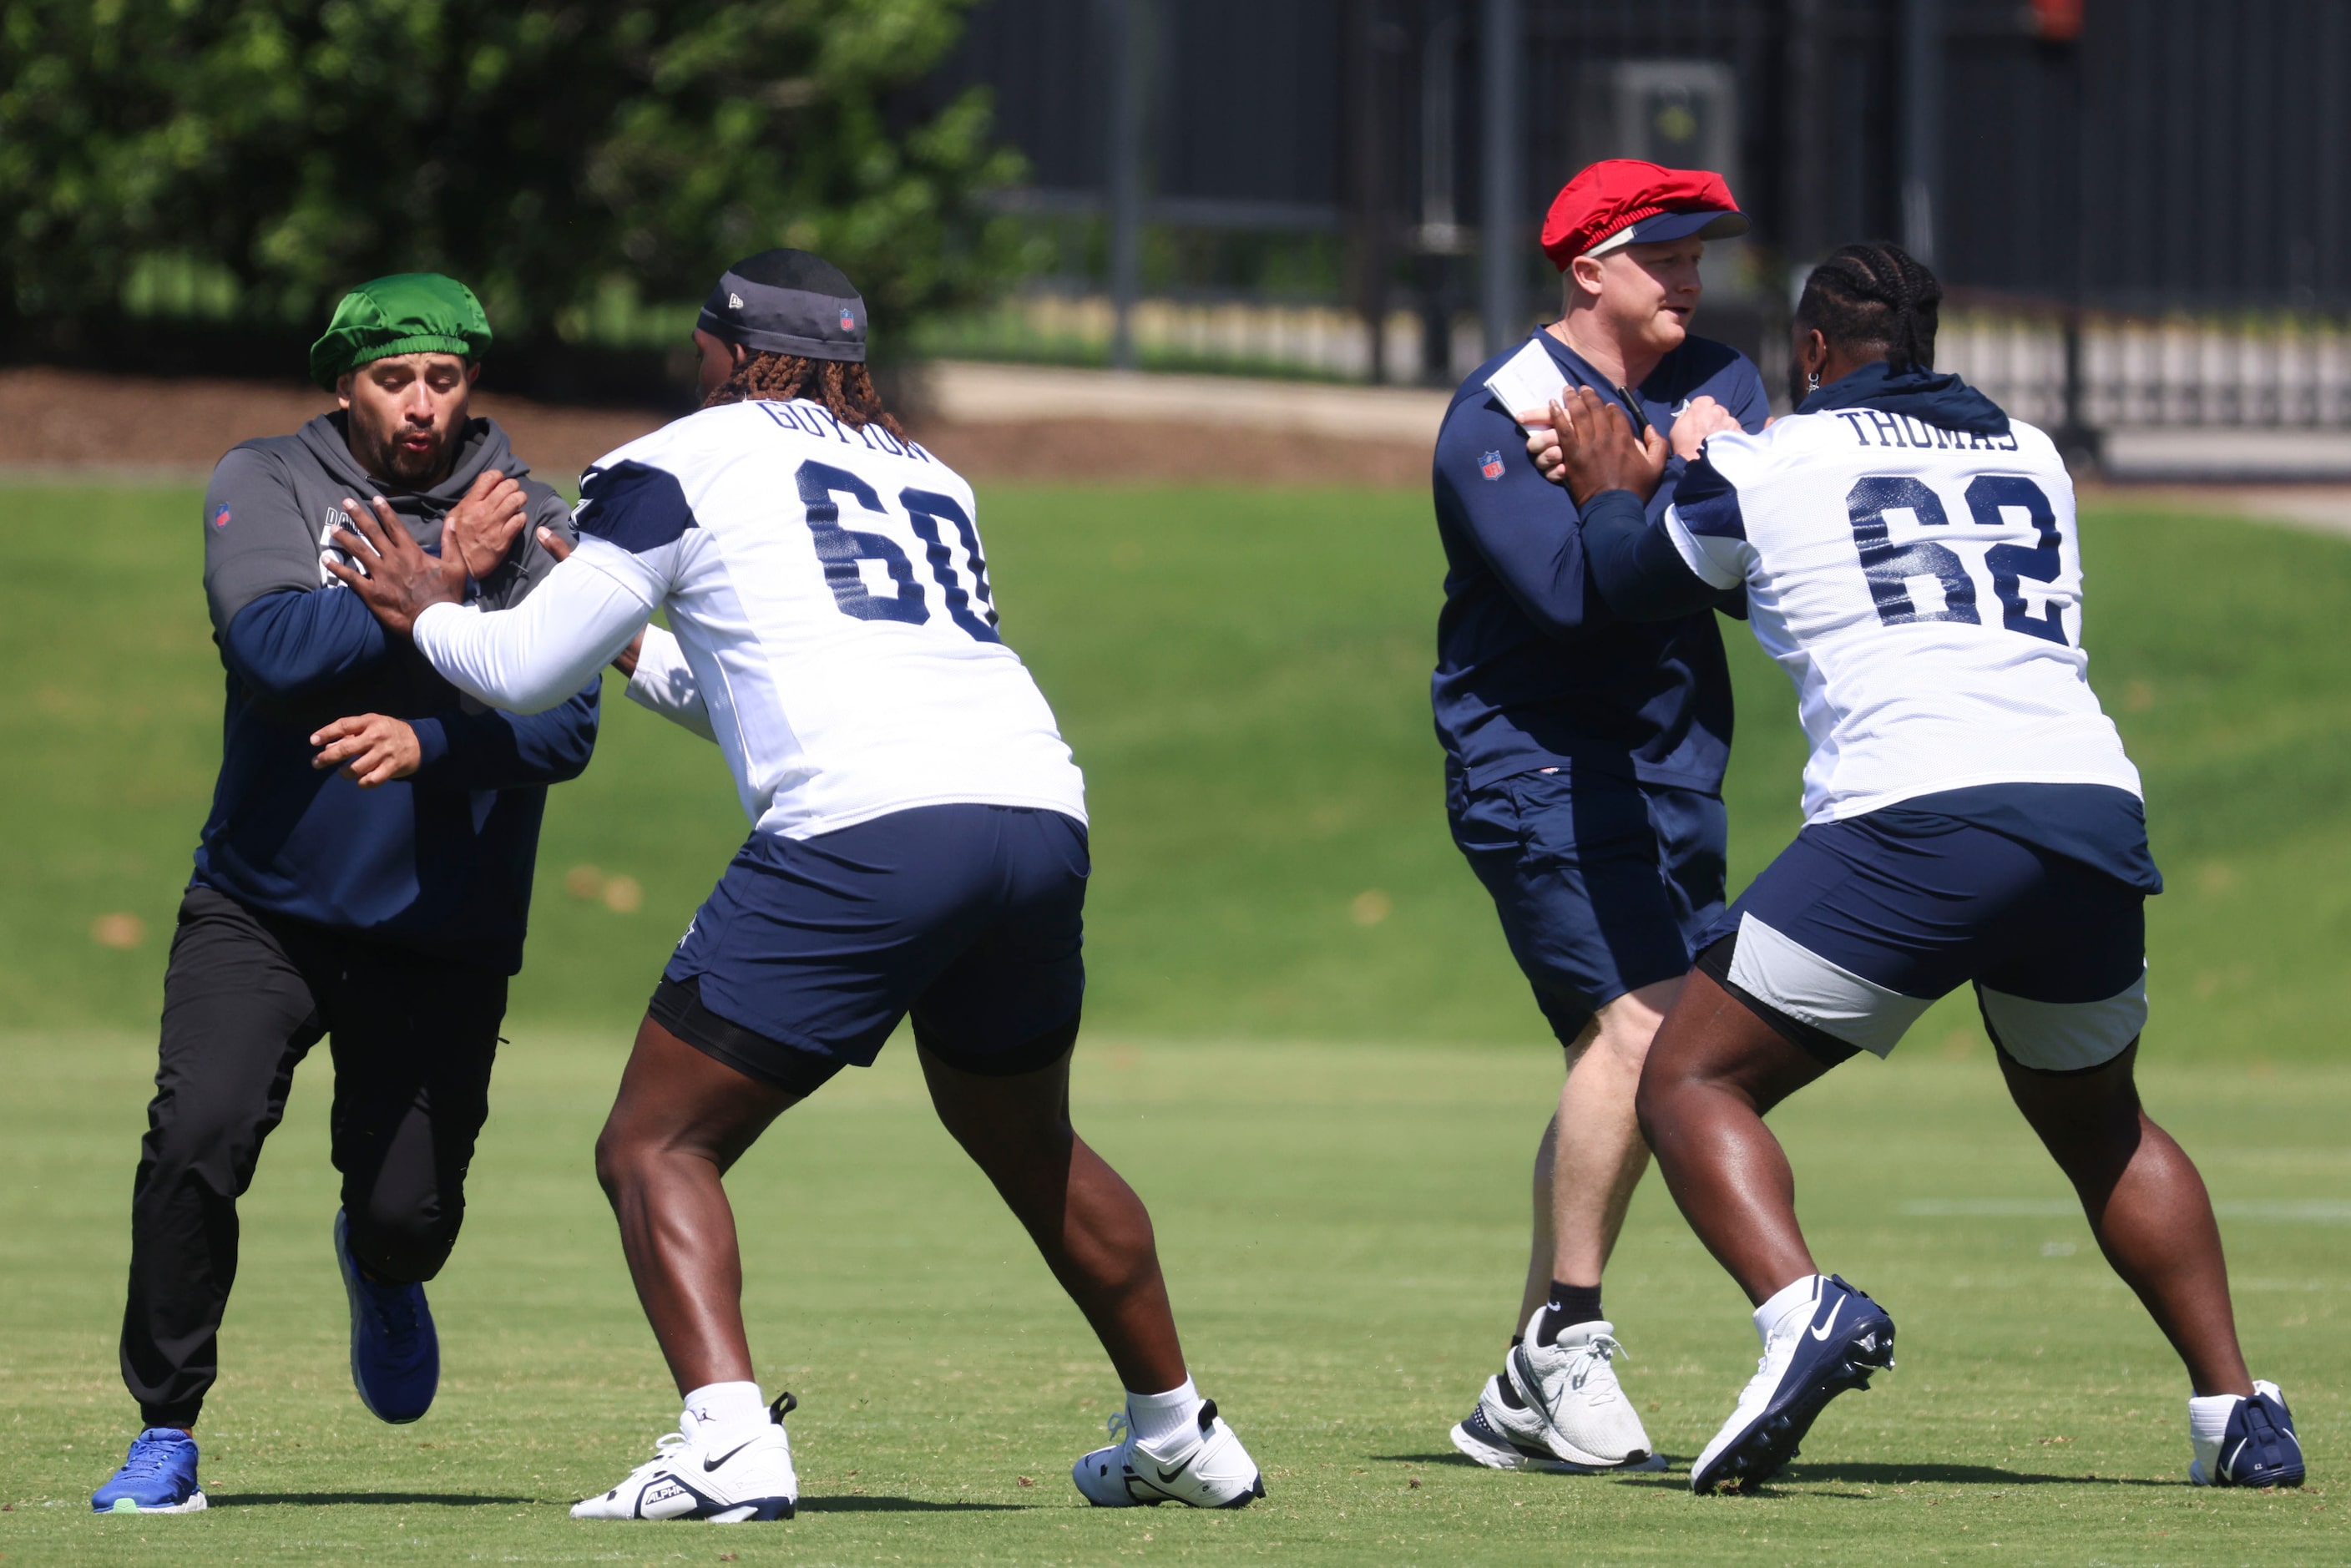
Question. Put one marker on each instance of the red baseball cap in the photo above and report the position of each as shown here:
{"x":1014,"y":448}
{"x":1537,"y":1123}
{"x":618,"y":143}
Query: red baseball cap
{"x":1623,"y":201}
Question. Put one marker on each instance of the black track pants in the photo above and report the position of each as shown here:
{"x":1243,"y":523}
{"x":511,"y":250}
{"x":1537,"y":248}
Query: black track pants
{"x":245,"y":997}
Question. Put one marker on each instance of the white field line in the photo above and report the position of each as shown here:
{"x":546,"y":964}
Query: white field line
{"x":2299,"y":1211}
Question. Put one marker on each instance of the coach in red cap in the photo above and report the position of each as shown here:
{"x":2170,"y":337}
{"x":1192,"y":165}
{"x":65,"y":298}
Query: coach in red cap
{"x":1584,"y":756}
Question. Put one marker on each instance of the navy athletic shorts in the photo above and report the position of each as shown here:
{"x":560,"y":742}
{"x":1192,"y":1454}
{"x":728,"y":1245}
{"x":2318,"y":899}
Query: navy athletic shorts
{"x":1860,"y":925}
{"x":1603,"y":884}
{"x":809,"y":951}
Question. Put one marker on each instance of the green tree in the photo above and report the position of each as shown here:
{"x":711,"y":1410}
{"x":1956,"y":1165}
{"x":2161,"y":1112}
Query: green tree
{"x":545,"y":152}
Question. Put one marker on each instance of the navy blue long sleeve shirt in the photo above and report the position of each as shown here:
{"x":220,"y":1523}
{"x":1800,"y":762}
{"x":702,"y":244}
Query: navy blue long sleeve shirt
{"x":1534,"y":668}
{"x":441,"y":862}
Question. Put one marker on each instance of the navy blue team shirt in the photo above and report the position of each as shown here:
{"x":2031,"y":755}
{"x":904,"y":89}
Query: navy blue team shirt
{"x":1533,"y":669}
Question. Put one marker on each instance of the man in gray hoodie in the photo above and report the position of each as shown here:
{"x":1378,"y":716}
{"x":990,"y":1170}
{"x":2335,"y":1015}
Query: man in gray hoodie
{"x":364,"y":875}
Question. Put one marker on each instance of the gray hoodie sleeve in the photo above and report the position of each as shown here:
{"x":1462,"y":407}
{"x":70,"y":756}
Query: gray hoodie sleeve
{"x":256,"y":540}
{"x":549,"y":510}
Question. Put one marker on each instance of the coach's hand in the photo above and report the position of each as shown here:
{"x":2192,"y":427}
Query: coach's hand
{"x":401,"y":581}
{"x":1597,"y":450}
{"x":482,"y":528}
{"x":1700,"y":417}
{"x":554,"y":544}
{"x":370,"y":750}
{"x":1543,"y":445}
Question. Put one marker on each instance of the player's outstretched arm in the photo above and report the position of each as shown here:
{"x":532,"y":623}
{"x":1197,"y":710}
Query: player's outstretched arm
{"x":660,"y":680}
{"x":1635,"y":565}
{"x":524,"y":659}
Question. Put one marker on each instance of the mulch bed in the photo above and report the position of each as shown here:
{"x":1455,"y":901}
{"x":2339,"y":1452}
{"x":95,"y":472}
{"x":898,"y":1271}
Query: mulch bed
{"x":64,"y":419}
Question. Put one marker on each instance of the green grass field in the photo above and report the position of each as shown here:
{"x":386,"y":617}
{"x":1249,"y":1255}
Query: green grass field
{"x":1329,"y":1097}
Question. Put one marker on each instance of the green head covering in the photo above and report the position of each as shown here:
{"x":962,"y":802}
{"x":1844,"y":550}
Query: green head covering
{"x":407,"y":313}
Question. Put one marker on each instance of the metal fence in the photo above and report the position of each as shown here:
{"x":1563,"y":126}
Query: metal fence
{"x":2163,"y":185}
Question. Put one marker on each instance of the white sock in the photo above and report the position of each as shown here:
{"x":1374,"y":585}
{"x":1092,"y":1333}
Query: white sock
{"x":2208,"y":1417}
{"x":716,"y":1406}
{"x":1159,"y":1417}
{"x":1789,"y":1298}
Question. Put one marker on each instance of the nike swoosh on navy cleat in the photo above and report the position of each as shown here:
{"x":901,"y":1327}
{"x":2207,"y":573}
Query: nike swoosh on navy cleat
{"x":1823,"y":1332}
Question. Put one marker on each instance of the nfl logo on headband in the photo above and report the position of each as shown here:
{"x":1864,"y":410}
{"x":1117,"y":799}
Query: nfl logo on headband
{"x":786,"y":302}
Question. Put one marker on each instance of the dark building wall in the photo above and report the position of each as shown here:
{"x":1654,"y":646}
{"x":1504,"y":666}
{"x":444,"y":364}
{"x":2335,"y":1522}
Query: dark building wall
{"x":2183,"y":153}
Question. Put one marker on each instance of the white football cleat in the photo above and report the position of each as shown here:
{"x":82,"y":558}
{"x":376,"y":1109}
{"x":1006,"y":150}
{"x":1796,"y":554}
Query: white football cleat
{"x":1588,"y":1423}
{"x":728,"y":1477}
{"x":1204,"y":1467}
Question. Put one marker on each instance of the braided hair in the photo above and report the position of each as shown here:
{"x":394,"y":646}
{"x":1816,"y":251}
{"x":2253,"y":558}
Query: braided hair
{"x":846,"y":390}
{"x":1877,"y":297}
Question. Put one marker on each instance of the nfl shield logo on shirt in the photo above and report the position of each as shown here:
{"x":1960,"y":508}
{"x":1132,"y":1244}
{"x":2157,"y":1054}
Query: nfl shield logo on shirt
{"x":1490,"y":465}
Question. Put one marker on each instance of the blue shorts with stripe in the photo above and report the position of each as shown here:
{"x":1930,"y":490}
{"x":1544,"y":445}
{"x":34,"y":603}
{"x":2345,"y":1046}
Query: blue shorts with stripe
{"x":809,"y":952}
{"x":1861,"y":924}
{"x":1602,"y":884}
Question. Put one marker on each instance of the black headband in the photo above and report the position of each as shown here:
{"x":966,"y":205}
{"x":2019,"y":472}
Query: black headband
{"x":788,"y":302}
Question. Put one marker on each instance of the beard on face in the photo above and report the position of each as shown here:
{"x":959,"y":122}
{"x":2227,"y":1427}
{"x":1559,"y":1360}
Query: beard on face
{"x":1797,"y":390}
{"x":416,"y":469}
{"x":396,"y":464}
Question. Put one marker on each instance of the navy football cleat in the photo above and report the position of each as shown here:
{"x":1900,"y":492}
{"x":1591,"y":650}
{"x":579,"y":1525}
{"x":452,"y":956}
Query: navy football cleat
{"x":158,"y":1476}
{"x":1816,"y":1350}
{"x":2258,"y":1450}
{"x":395,"y":1353}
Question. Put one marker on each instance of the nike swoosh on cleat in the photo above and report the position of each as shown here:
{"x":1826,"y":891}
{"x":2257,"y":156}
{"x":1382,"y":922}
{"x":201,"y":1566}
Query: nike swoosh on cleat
{"x":1823,"y":1332}
{"x":1167,"y":1475}
{"x":710,"y":1465}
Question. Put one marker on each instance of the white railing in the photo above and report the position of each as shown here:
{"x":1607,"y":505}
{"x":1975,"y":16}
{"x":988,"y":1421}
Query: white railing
{"x":1312,"y":340}
{"x":2140,"y":371}
{"x":2136,"y":371}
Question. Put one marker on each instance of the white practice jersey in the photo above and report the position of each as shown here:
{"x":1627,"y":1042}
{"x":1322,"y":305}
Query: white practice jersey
{"x":1923,"y":588}
{"x":829,"y":602}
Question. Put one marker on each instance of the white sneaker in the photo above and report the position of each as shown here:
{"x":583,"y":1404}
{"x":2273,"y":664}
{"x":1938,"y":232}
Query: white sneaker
{"x":1205,"y":1468}
{"x":726,"y":1476}
{"x":1588,"y":1423}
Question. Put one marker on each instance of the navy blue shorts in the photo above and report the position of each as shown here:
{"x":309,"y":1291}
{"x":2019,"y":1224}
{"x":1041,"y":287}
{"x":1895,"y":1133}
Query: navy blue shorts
{"x":1603,"y":884}
{"x":1860,"y":925}
{"x":809,"y":951}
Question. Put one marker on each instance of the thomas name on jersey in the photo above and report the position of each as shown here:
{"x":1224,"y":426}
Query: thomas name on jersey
{"x":1903,"y":430}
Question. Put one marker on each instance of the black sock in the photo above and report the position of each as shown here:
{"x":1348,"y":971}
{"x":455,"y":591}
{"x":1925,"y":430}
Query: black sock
{"x":1509,"y":1394}
{"x":1569,"y":1305}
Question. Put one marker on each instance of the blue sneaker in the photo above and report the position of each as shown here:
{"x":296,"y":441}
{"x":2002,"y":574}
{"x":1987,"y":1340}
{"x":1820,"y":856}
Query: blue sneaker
{"x":2259,"y":1448}
{"x":395,"y":1355}
{"x":158,"y":1476}
{"x":1829,"y":1340}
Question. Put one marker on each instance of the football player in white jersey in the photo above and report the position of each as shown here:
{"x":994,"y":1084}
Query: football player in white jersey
{"x":1910,"y":559}
{"x":918,"y":849}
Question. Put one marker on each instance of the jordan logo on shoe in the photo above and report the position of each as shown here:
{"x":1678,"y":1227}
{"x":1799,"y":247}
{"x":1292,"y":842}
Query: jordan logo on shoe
{"x":1823,"y":1332}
